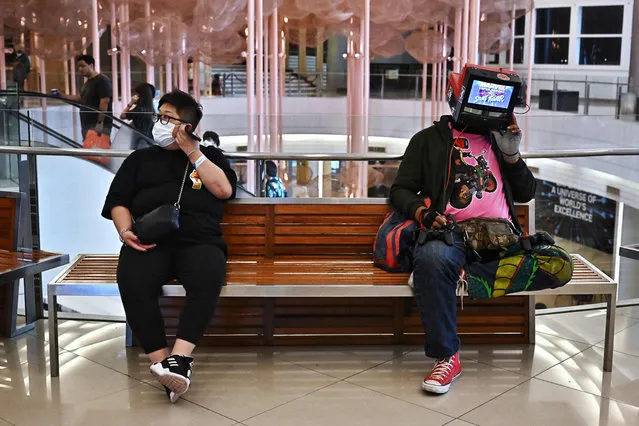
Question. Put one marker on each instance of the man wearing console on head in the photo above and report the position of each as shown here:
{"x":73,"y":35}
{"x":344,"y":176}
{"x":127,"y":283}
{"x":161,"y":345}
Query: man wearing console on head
{"x":466,"y":165}
{"x":166,"y":203}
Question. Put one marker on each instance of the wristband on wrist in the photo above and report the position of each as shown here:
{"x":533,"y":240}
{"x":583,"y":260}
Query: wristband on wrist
{"x":199,"y":161}
{"x":192,"y":152}
{"x":122,"y":232}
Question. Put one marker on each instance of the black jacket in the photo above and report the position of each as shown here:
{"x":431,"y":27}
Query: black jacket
{"x":425,"y":179}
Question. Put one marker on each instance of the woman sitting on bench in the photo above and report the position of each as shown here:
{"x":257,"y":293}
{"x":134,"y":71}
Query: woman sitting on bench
{"x":144,"y":189}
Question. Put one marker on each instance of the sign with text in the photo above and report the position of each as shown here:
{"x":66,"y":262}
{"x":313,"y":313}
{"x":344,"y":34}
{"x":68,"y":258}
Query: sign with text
{"x":576,"y":215}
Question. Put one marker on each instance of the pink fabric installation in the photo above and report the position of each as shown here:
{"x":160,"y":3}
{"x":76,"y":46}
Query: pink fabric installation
{"x":68,"y":19}
{"x":427,"y":46}
{"x":494,"y":37}
{"x":157,"y":39}
{"x":217,"y":15}
{"x":501,"y":10}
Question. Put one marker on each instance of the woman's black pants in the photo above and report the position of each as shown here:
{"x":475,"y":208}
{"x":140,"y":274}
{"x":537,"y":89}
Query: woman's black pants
{"x":200,"y":269}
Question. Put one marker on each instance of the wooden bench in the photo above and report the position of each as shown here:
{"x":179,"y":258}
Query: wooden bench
{"x":300,"y":273}
{"x":18,"y":263}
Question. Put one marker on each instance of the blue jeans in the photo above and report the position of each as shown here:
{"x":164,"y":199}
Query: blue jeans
{"x":436,"y":272}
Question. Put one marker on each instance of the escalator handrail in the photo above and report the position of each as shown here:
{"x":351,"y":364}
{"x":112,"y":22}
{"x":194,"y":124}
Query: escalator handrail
{"x":76,"y":104}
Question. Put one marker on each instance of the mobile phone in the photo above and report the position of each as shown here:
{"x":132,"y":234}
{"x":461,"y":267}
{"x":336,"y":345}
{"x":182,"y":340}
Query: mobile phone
{"x":191,"y":133}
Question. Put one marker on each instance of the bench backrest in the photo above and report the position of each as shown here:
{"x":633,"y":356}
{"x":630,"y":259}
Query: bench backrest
{"x":281,"y":230}
{"x":9,"y":220}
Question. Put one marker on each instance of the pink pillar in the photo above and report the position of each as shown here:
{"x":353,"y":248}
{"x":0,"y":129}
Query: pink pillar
{"x":465,"y":34}
{"x":196,"y":77}
{"x":458,"y":40}
{"x":424,"y":84}
{"x":169,"y":77}
{"x":72,"y":73}
{"x":150,"y":69}
{"x":274,"y":74}
{"x":114,"y":61}
{"x":473,"y":44}
{"x":444,"y":73}
{"x":3,"y":63}
{"x":259,"y":76}
{"x":95,"y":37}
{"x":251,"y":178}
{"x":267,"y":94}
{"x":250,"y":79}
{"x":531,"y":52}
{"x":126,"y":58}
{"x":511,"y":59}
{"x":367,"y":73}
{"x":433,"y":92}
{"x":65,"y":65}
{"x":282,"y":87}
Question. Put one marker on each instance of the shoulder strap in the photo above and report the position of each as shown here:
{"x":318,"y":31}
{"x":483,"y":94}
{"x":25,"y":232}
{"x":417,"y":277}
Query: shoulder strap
{"x":186,"y":171}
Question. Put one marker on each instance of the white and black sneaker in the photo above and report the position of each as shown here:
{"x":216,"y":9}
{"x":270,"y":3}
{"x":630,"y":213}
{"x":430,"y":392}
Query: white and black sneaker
{"x":174,"y":373}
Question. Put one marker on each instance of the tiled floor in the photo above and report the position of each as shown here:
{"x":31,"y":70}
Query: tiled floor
{"x":559,"y":381}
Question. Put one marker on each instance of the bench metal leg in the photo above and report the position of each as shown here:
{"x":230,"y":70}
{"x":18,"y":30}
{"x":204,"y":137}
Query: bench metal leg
{"x":54,"y":362}
{"x":609,"y":343}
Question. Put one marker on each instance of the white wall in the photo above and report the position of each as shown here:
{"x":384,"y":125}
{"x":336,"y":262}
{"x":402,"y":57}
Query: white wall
{"x":71,"y":192}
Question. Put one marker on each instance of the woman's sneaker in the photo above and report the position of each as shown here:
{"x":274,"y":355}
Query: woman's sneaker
{"x":445,"y":371}
{"x":174,"y":373}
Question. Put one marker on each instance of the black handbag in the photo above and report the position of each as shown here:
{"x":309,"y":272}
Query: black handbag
{"x":162,"y":221}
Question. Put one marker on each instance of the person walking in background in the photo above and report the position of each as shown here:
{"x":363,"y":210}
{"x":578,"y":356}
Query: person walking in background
{"x":96,"y":94}
{"x":21,"y":67}
{"x":210,"y":139}
{"x":216,"y":85}
{"x":140,"y":111}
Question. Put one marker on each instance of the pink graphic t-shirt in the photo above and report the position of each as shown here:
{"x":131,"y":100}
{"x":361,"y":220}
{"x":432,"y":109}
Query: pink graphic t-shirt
{"x":478,"y":189}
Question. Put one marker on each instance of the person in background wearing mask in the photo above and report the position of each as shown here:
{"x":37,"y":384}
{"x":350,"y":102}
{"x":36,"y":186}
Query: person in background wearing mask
{"x":195,"y":254}
{"x":21,"y":67}
{"x":140,"y":111}
{"x":211,"y":139}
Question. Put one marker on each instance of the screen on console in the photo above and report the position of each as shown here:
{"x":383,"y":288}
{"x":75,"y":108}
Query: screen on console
{"x":490,"y":94}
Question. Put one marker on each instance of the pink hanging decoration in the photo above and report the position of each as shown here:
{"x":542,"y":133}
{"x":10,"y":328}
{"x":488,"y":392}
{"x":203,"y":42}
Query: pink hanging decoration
{"x":494,"y":37}
{"x":383,"y":11}
{"x":500,"y":11}
{"x":217,"y":15}
{"x":290,"y":10}
{"x":318,"y":7}
{"x":392,"y":47}
{"x":157,"y":39}
{"x":427,"y":46}
{"x":430,"y":12}
{"x":222,"y":48}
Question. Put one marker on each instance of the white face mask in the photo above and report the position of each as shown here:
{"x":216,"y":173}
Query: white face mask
{"x":163,"y":134}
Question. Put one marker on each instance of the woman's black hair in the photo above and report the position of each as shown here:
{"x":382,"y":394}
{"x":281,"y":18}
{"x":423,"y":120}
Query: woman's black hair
{"x":146,"y":93}
{"x":185,"y":105}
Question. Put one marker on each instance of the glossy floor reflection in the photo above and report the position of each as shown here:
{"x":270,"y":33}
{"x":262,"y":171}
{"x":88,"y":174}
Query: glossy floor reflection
{"x":557,"y":381}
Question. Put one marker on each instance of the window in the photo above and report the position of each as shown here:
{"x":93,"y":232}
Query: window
{"x":552,"y":40}
{"x":600,"y":35}
{"x":602,"y":20}
{"x":553,"y":20}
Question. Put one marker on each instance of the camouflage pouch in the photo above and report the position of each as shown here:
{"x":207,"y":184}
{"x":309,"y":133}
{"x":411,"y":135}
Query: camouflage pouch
{"x":488,"y":234}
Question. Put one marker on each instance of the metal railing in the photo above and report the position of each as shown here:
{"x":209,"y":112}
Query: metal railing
{"x":79,"y":152}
